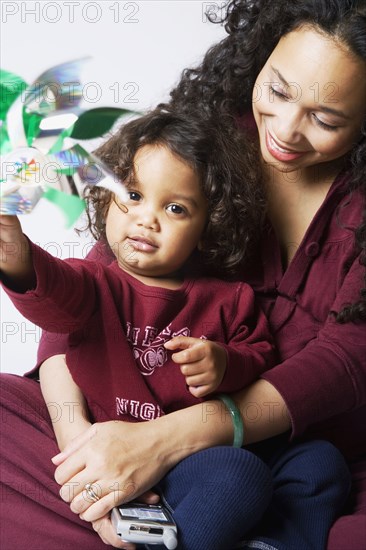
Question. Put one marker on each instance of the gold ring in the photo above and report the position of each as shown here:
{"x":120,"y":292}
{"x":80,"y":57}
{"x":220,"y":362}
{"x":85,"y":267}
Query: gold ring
{"x":91,"y":493}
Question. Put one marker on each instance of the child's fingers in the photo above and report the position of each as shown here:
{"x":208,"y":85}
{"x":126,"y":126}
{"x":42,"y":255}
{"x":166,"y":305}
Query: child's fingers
{"x":191,"y":355}
{"x":181,"y":342}
{"x":200,"y":391}
{"x":196,"y":380}
{"x":192,"y":369}
{"x":7,"y":219}
{"x":9,"y":226}
{"x":192,"y":351}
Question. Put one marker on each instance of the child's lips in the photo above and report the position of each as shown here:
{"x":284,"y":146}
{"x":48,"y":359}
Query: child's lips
{"x":142,"y":243}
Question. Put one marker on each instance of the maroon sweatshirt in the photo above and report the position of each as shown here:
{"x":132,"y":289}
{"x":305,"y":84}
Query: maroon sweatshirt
{"x":118,"y":326}
{"x":321,"y":370}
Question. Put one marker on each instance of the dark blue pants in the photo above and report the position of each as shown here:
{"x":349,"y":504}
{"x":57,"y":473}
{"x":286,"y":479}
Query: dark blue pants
{"x":216,"y":496}
{"x":311,"y":482}
{"x":287,"y":499}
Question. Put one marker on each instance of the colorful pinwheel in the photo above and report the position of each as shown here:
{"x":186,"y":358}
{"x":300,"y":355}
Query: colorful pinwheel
{"x":28,"y":172}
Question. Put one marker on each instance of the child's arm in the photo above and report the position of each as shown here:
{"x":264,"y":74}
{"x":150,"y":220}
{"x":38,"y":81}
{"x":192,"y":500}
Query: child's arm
{"x":231,"y":365}
{"x":15,"y":258}
{"x":57,"y":295}
{"x":65,"y":402}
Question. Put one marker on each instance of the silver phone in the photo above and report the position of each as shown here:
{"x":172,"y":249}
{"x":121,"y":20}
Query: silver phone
{"x":145,"y":524}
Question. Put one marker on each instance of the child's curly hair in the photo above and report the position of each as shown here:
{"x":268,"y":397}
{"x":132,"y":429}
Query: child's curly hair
{"x":229,"y":177}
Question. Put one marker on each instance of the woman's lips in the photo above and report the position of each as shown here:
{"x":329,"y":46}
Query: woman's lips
{"x":142,"y":244}
{"x":279,"y":153}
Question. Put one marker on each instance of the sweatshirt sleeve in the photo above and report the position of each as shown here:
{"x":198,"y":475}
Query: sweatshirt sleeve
{"x":250,"y":346}
{"x":64,"y":297}
{"x":328,"y":376}
{"x":56,"y":344}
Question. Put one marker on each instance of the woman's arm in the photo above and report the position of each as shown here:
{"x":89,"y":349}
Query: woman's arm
{"x":65,"y":402}
{"x":127,"y":459}
{"x":327,"y":377}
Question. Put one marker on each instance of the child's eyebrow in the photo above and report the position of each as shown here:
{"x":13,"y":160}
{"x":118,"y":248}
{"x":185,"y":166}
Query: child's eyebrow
{"x":132,"y":179}
{"x":178,"y":197}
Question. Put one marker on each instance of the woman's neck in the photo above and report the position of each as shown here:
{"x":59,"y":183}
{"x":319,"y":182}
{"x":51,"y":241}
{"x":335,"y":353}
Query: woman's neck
{"x":293,"y":200}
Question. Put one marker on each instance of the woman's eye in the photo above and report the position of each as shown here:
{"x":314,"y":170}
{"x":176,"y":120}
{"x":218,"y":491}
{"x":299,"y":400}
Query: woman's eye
{"x":176,"y":209}
{"x":134,"y":196}
{"x":278,"y":92}
{"x":322,"y":124}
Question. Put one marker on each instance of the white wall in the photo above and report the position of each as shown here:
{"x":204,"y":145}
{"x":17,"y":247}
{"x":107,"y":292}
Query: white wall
{"x":138,"y":50}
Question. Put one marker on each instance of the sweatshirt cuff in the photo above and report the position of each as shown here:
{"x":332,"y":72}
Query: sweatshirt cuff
{"x":241,"y":369}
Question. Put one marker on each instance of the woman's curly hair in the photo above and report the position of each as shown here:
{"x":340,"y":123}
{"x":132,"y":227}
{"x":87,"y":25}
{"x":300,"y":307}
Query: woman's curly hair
{"x":228,"y":175}
{"x":224,"y":82}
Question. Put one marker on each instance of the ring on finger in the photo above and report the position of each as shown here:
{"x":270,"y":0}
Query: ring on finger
{"x":91,"y":492}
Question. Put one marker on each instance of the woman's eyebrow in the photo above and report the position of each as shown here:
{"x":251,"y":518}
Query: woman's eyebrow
{"x":282,"y":78}
{"x":322,"y":108}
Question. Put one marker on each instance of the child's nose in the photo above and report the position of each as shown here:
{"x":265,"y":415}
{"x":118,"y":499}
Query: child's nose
{"x":148,"y":219}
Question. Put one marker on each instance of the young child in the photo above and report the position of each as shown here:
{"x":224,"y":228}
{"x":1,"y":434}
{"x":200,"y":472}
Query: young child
{"x":125,"y":320}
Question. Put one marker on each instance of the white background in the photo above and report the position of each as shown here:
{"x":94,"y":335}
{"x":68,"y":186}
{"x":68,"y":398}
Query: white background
{"x":138,"y":50}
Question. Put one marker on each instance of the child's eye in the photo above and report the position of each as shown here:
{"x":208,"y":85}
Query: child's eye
{"x":134,"y":196}
{"x":176,"y":209}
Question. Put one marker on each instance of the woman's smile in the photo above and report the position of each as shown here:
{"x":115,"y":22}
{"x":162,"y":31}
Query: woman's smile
{"x":280,"y":153}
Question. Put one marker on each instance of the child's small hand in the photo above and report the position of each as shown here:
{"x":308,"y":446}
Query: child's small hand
{"x":15,"y":257}
{"x":11,"y":240}
{"x":202,"y":362}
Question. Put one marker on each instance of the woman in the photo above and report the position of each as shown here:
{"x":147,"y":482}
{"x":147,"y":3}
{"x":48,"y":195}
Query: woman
{"x":301,"y":68}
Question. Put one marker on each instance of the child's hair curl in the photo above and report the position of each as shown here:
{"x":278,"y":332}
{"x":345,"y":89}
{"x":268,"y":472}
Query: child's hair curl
{"x":229,"y":176}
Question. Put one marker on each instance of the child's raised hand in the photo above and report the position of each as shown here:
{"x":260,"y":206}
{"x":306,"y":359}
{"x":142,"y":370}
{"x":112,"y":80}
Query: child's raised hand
{"x":15,"y":261}
{"x":11,"y":237}
{"x":202,"y":363}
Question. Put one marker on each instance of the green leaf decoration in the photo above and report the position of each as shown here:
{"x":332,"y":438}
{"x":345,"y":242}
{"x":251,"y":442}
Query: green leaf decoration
{"x":71,"y":206}
{"x":11,"y":86}
{"x":32,"y":122}
{"x":97,"y":122}
{"x":57,"y":146}
{"x":5,"y":146}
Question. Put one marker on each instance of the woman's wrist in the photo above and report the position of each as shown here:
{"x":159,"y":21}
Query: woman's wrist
{"x":187,"y":431}
{"x":263,"y":411}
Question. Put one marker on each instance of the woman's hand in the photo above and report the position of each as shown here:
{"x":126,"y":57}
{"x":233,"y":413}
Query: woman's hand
{"x":121,"y":460}
{"x":107,"y":532}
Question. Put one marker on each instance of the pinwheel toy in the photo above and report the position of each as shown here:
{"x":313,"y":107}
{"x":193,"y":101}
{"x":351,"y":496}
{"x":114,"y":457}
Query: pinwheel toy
{"x":29,"y":170}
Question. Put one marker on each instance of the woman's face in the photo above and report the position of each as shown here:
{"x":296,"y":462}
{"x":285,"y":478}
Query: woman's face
{"x":309,"y":101}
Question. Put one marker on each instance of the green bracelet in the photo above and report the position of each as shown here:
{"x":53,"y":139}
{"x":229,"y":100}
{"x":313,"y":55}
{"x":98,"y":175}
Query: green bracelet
{"x":236,"y":418}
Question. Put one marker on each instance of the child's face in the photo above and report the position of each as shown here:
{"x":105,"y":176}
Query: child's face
{"x":167,"y":213}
